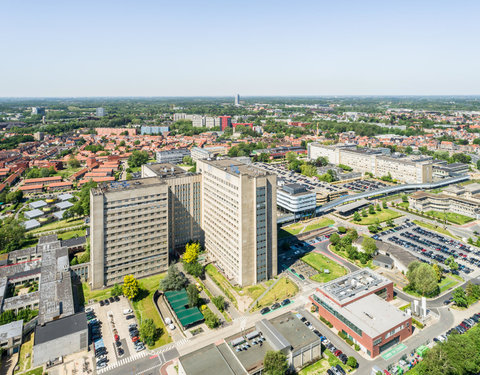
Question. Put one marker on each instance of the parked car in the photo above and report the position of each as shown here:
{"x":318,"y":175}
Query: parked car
{"x":340,"y":369}
{"x":128,"y":317}
{"x":275,"y":306}
{"x":285,"y":302}
{"x":264,"y":310}
{"x":127,"y":311}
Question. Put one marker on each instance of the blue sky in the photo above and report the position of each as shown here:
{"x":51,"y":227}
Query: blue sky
{"x":263,"y":47}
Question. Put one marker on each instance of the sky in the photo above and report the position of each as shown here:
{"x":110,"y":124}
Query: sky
{"x":263,"y":47}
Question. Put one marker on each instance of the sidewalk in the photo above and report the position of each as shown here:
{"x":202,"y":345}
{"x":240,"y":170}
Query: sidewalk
{"x":216,"y":291}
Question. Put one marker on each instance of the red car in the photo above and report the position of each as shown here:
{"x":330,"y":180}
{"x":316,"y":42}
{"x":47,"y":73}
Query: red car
{"x":337,"y":352}
{"x":135,"y":338}
{"x":116,"y":337}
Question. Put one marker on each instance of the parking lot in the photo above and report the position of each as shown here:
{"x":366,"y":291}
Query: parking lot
{"x":111,"y":330}
{"x":429,"y":246}
{"x":364,"y":185}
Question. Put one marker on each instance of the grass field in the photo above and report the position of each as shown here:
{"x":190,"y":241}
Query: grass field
{"x":435,"y":228}
{"x":25,"y":359}
{"x":145,"y":307}
{"x":255,"y":291}
{"x":294,"y":229}
{"x":451,"y":217}
{"x":284,"y":288}
{"x":446,"y":283}
{"x":384,"y":215}
{"x":58,"y":225}
{"x":321,"y":262}
{"x":321,"y":366}
{"x":36,"y":371}
{"x":71,"y":234}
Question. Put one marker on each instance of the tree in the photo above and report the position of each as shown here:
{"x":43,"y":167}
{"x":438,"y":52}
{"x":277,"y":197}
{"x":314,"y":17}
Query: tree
{"x":369,"y":245}
{"x":174,"y":279}
{"x":12,"y":235}
{"x":137,"y":158}
{"x":408,"y":150}
{"x":149,"y":332}
{"x":384,"y":203}
{"x":438,"y":271}
{"x":211,"y":320}
{"x":6,"y":317}
{"x":219,"y":302}
{"x":194,"y":269}
{"x":308,"y":170}
{"x":14,"y":196}
{"x":364,"y":213}
{"x":450,"y":262}
{"x":342,"y":230}
{"x":473,"y":292}
{"x":460,"y":297}
{"x":378,"y":208}
{"x":356,"y":216}
{"x":390,"y":223}
{"x":191,"y":252}
{"x":73,"y":162}
{"x":187,"y":160}
{"x":352,"y":362}
{"x":275,"y":363}
{"x":334,"y":239}
{"x":116,"y":290}
{"x":371,"y":210}
{"x":404,"y":198}
{"x":422,"y":278}
{"x":193,"y":297}
{"x":130,"y":287}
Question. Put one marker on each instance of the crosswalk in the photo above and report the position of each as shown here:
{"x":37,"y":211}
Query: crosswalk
{"x":144,"y":353}
{"x":124,"y":361}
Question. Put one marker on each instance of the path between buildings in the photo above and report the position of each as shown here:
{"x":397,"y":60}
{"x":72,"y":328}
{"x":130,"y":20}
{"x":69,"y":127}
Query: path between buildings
{"x":216,"y":291}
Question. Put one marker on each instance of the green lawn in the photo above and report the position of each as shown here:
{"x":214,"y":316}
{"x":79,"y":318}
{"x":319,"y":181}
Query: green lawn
{"x":446,"y":283}
{"x":210,"y":295}
{"x":321,"y":262}
{"x":284,"y":288}
{"x":319,"y":367}
{"x":384,"y":215}
{"x":66,"y":173}
{"x":255,"y":291}
{"x":71,"y":234}
{"x":145,"y":307}
{"x":343,"y":254}
{"x":37,"y":371}
{"x":25,"y":359}
{"x":58,"y":225}
{"x":451,"y":217}
{"x":435,"y":228}
{"x":296,"y":228}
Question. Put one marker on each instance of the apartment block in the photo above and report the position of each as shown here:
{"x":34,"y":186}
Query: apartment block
{"x":239,"y":219}
{"x":184,"y":203}
{"x":378,"y":161}
{"x":129,"y":230}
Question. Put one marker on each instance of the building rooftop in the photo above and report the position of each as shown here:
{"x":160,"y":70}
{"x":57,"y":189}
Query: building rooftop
{"x":114,"y":186}
{"x":354,"y":285}
{"x":236,"y":168}
{"x":65,"y":197}
{"x":203,"y":360}
{"x":37,"y":204}
{"x":61,"y":327}
{"x":352,"y":206}
{"x":295,"y":189}
{"x":167,"y":170}
{"x":10,"y":330}
{"x":294,"y":330}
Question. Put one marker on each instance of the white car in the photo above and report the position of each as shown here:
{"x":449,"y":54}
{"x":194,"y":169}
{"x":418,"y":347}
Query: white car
{"x":171,"y":326}
{"x":127,"y":311}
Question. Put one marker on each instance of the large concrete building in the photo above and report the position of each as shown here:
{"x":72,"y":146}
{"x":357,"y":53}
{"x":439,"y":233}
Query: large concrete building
{"x":239,"y":219}
{"x":357,"y":305}
{"x":184,"y":208}
{"x":295,"y":198}
{"x":129,"y":230}
{"x":409,"y":169}
{"x":172,"y":156}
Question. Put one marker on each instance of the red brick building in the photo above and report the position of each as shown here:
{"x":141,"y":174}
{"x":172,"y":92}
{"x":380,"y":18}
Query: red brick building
{"x":357,"y":305}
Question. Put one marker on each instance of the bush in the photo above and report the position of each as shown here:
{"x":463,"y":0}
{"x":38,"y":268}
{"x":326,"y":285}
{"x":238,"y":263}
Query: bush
{"x":330,"y":325}
{"x":357,"y":347}
{"x":211,"y":320}
{"x":342,"y":230}
{"x":349,"y":342}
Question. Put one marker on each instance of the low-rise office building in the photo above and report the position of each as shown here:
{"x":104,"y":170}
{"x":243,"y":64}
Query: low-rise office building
{"x":378,"y":161}
{"x":357,"y":305}
{"x":285,"y":333}
{"x":172,"y":156}
{"x":424,"y":202}
{"x":207,"y":152}
{"x":296,"y":199}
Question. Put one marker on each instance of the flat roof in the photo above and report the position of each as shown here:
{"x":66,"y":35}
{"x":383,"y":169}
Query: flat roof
{"x":353,"y":285}
{"x":37,"y":204}
{"x":178,"y":300}
{"x":371,"y":314}
{"x":65,"y":197}
{"x":204,"y":360}
{"x":64,"y":205}
{"x":166,"y":170}
{"x":10,"y":330}
{"x":30,"y":224}
{"x":237,"y":168}
{"x":294,"y":330}
{"x":354,"y":205}
{"x":113,"y":186}
{"x":61,"y":327}
{"x":34,"y":213}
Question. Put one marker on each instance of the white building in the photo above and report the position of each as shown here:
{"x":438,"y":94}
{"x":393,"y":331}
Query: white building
{"x":296,"y":198}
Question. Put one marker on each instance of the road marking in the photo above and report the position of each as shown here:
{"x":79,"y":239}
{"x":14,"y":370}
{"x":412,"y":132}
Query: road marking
{"x":394,"y":351}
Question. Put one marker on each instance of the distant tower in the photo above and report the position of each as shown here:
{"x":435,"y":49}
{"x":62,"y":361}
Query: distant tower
{"x":237,"y":100}
{"x":100,"y":112}
{"x":38,"y":111}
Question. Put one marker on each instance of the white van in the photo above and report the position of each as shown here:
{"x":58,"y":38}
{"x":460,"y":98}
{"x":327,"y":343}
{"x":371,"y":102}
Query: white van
{"x":127,"y":311}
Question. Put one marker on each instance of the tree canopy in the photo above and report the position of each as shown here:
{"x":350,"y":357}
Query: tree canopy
{"x":174,"y":279}
{"x":275,"y":363}
{"x":130,"y":287}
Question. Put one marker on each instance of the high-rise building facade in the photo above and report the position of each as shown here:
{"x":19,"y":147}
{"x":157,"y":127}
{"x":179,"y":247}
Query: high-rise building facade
{"x":237,"y":100}
{"x":184,"y":203}
{"x":100,"y":112}
{"x":239,"y":219}
{"x":129,"y":230}
{"x":225,"y":122}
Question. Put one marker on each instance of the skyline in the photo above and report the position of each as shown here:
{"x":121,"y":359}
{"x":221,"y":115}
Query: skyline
{"x":187,"y":49}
